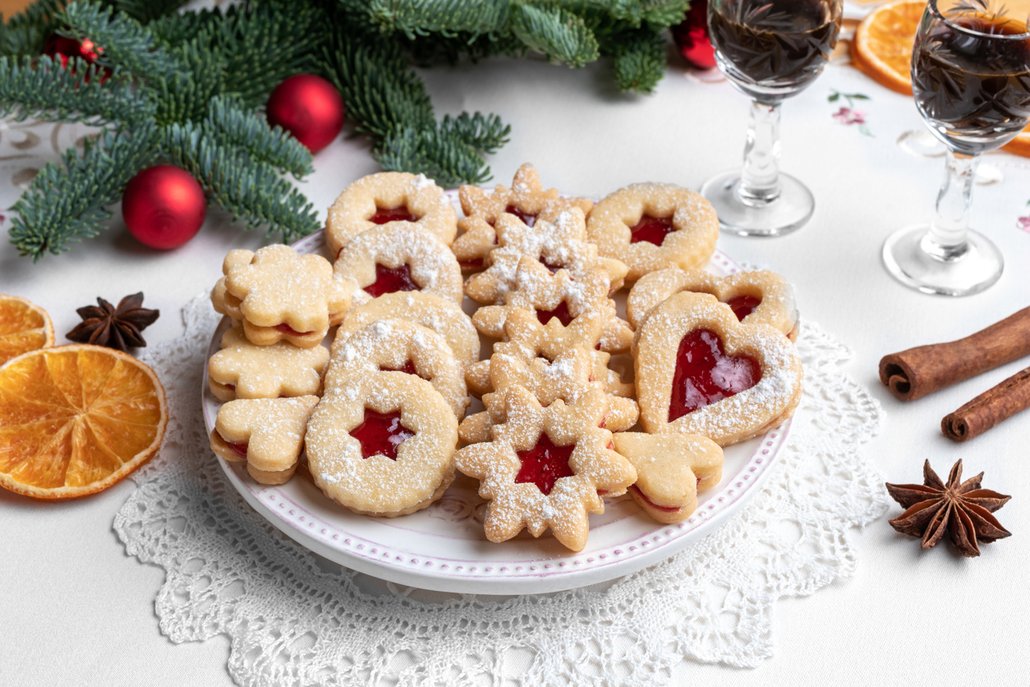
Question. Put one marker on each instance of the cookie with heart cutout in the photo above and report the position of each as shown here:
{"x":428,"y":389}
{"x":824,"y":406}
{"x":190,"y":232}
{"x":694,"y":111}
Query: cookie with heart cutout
{"x":443,"y":317}
{"x":755,"y":297}
{"x":653,"y":226}
{"x":699,"y":370}
{"x":267,"y":433}
{"x":560,"y":244}
{"x":242,"y":370}
{"x":399,"y":257}
{"x":526,"y":199}
{"x":395,"y":345}
{"x":671,"y":470}
{"x":558,"y":300}
{"x":283,"y":295}
{"x":389,"y":198}
{"x":384,"y":445}
{"x":545,"y":467}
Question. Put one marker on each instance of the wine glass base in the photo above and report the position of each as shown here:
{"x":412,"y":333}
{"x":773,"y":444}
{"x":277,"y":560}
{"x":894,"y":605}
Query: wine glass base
{"x":976,"y":269}
{"x":787,"y":212}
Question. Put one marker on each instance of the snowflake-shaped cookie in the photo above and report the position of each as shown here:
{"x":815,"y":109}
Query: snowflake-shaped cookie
{"x":545,"y":467}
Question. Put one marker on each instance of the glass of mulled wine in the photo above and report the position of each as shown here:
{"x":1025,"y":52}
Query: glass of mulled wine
{"x":971,"y":80}
{"x":770,"y":50}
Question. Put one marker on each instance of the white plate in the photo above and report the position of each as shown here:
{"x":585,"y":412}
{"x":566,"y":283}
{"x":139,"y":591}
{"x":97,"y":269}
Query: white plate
{"x":442,"y":548}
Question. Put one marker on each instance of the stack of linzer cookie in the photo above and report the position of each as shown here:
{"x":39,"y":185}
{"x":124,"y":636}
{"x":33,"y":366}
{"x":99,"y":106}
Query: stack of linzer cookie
{"x":383,"y":415}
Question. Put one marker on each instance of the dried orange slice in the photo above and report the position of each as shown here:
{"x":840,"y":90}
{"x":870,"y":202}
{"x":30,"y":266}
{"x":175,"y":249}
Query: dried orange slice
{"x":24,"y":327}
{"x":882,"y":46}
{"x":76,"y":419}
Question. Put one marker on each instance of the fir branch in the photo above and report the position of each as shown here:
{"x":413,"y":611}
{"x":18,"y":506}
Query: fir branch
{"x":233,"y":126}
{"x":639,"y":61}
{"x":483,"y":133}
{"x":41,"y":88}
{"x":443,"y":157}
{"x":663,"y":13}
{"x":25,"y":33}
{"x":185,"y":95}
{"x":252,"y":192}
{"x":69,"y":201}
{"x":147,"y":10}
{"x":448,"y":18}
{"x":560,"y":35}
{"x":123,"y":43}
{"x":176,"y":29}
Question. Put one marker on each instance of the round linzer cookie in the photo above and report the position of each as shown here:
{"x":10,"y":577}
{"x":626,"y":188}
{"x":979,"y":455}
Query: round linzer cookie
{"x":267,"y":433}
{"x":399,"y":257}
{"x":546,"y":468}
{"x":755,"y":297}
{"x":387,"y":198}
{"x":560,"y":244}
{"x":384,"y":446}
{"x":397,"y":346}
{"x":242,"y":370}
{"x":526,"y":199}
{"x":653,"y":226}
{"x":701,"y":371}
{"x":443,"y":317}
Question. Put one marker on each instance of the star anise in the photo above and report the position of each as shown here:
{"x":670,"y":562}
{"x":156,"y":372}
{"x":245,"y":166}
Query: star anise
{"x":115,"y":327}
{"x":963,"y":509}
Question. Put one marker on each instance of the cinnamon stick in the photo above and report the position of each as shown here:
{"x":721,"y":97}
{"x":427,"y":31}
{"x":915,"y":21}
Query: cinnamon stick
{"x":916,"y":372}
{"x":989,"y":408}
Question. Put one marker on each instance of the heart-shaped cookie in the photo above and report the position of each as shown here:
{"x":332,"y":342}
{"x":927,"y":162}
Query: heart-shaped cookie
{"x":701,"y":371}
{"x":755,"y":297}
{"x":671,"y":470}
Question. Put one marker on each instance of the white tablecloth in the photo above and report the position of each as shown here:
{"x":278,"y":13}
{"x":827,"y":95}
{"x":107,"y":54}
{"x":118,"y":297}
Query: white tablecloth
{"x":75,"y":610}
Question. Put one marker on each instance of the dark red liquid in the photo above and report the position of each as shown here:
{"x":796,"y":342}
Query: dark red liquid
{"x":384,"y":215}
{"x":974,"y":89}
{"x":742,"y":306}
{"x":561,"y":312}
{"x":775,"y":42}
{"x":705,"y":374}
{"x":526,"y":218}
{"x":545,"y":464}
{"x":408,"y":367}
{"x":381,"y":434}
{"x":391,"y":280}
{"x":651,"y":229}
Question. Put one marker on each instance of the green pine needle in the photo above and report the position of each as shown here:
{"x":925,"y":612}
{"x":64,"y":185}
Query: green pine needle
{"x":483,"y":133}
{"x":26,"y":32}
{"x":440,"y":156}
{"x":147,"y":10}
{"x":448,"y":18}
{"x":68,"y":201}
{"x":233,"y":126}
{"x":639,"y":62}
{"x":124,"y":44}
{"x":560,"y":35}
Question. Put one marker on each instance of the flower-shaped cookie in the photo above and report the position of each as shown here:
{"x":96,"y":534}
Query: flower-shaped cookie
{"x":267,"y":433}
{"x":242,"y":370}
{"x":284,"y":295}
{"x":701,"y":371}
{"x":399,"y":257}
{"x":389,"y":198}
{"x":443,"y":317}
{"x":399,"y":346}
{"x":559,"y":301}
{"x":544,"y":468}
{"x":560,"y":244}
{"x":671,"y":470}
{"x":756,"y":297}
{"x":384,"y":446}
{"x":526,"y":199}
{"x":653,"y":226}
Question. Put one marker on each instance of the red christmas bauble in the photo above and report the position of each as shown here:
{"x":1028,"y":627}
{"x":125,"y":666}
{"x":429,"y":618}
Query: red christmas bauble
{"x":163,"y":207}
{"x":63,"y":49}
{"x":309,"y":107}
{"x":692,"y":38}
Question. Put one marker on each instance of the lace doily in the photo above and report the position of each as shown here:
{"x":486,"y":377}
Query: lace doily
{"x":296,"y":619}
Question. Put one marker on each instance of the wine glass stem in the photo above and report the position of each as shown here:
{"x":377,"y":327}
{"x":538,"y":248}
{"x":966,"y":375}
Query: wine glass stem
{"x":946,"y":239}
{"x":760,"y":178}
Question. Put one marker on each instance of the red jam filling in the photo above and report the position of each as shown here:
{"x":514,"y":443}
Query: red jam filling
{"x":705,"y":374}
{"x":384,"y":215}
{"x":651,"y":229}
{"x":561,"y":312}
{"x":665,"y":509}
{"x":408,"y":367}
{"x":391,"y":279}
{"x":239,"y":448}
{"x":742,"y":306}
{"x":526,"y":218}
{"x":545,"y":464}
{"x":287,"y":329}
{"x":473,"y":265}
{"x":381,"y":434}
{"x":553,"y":265}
